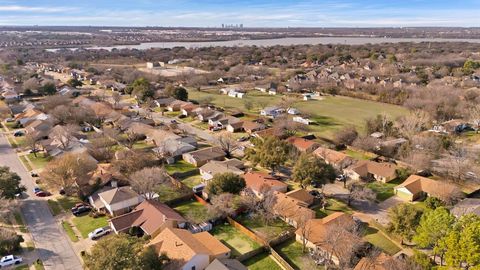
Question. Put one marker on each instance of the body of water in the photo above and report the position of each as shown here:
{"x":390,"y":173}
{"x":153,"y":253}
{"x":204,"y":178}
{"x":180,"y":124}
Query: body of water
{"x":275,"y":42}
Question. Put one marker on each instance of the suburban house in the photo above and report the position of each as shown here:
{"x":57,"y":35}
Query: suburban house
{"x":337,"y":159}
{"x":233,"y":127}
{"x":202,"y":156}
{"x":257,"y":182}
{"x":189,"y":109}
{"x":163,"y":102}
{"x":226,"y":264}
{"x":176,"y":105}
{"x":417,"y":187}
{"x":39,"y":128}
{"x":29,"y":116}
{"x":371,"y":170}
{"x":318,"y":232}
{"x":290,"y":211}
{"x":303,"y":145}
{"x":465,"y":207}
{"x":214,"y":167}
{"x":151,"y":216}
{"x":10,"y":94}
{"x":301,"y":197}
{"x":116,"y":201}
{"x":302,"y":120}
{"x":189,"y":251}
{"x":251,"y":127}
{"x":272,"y":112}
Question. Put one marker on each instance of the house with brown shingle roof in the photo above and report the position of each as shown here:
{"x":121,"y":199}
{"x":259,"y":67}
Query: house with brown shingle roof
{"x":150,"y":216}
{"x":116,"y":201}
{"x":251,"y":127}
{"x":301,"y":196}
{"x":337,"y":159}
{"x":189,"y":251}
{"x":318,"y":233}
{"x":380,"y":262}
{"x":290,"y":210}
{"x":303,"y":145}
{"x":258,"y":181}
{"x":202,"y":156}
{"x":366,"y":169}
{"x":214,"y":167}
{"x":226,"y":264}
{"x":417,"y":187}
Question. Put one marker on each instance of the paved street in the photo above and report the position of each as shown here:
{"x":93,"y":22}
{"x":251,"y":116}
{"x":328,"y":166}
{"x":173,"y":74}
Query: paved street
{"x":51,"y":243}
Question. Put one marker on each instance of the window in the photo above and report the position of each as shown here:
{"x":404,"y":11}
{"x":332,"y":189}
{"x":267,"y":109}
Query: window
{"x":193,"y":267}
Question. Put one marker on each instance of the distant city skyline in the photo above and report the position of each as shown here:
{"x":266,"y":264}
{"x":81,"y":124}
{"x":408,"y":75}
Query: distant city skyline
{"x":250,"y":13}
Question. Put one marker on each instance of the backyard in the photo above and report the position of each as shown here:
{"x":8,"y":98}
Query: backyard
{"x":261,"y":262}
{"x":193,"y":210}
{"x":268,"y":232}
{"x":238,"y":242}
{"x":378,"y":239}
{"x":86,"y":224}
{"x":291,"y":251}
{"x":168,"y":192}
{"x":179,"y":167}
{"x":192,"y":181}
{"x":359,"y":154}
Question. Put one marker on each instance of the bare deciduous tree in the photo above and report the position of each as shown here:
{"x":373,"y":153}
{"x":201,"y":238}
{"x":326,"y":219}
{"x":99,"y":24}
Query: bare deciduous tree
{"x":227,"y":142}
{"x":358,"y":191}
{"x":147,"y":180}
{"x":222,"y":205}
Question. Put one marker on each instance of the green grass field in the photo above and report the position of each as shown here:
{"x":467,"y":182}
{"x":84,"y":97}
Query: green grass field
{"x":269,"y":231}
{"x":383,"y":190}
{"x":292,"y":252}
{"x":86,"y":224}
{"x":179,"y":167}
{"x":261,"y":262}
{"x":359,"y":155}
{"x":169,"y":192}
{"x":193,"y":211}
{"x":192,"y":181}
{"x":376,"y":238}
{"x":331,"y":113}
{"x":332,"y":207}
{"x":238,"y":242}
{"x":69,"y":230}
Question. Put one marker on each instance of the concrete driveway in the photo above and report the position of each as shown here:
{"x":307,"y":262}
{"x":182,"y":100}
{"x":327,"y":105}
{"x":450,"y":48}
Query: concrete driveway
{"x":50,"y":240}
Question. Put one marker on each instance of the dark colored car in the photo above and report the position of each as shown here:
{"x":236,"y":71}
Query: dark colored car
{"x":18,"y":133}
{"x":76,"y":211}
{"x":42,"y":194}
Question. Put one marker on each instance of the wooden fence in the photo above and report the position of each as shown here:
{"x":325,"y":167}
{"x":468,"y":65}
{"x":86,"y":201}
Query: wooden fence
{"x":247,"y":232}
{"x":281,"y":260}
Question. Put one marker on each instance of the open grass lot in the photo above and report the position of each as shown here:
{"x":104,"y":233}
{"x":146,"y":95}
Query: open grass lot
{"x":269,"y":231}
{"x":179,"y":167}
{"x":261,"y":262}
{"x":40,"y":161}
{"x":238,"y":242}
{"x":332,"y":207}
{"x":331,"y":113}
{"x":85,"y":224}
{"x":291,"y":251}
{"x":192,"y":181}
{"x":383,"y":190}
{"x":170,"y":192}
{"x":193,"y":210}
{"x":376,"y":238}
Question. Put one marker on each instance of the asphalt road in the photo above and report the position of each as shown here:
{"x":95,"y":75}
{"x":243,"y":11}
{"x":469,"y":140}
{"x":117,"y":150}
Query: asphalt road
{"x":51,"y":242}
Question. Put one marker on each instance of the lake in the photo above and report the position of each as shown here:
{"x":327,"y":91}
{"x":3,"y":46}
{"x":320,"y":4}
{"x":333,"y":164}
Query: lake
{"x":275,"y":42}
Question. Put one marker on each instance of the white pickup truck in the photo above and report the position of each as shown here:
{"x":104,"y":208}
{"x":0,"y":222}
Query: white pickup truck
{"x":10,"y":260}
{"x":97,"y":233}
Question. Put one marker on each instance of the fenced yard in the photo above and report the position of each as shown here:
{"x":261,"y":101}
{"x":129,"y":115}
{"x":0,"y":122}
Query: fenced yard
{"x":238,"y":242}
{"x":268,"y":232}
{"x":292,"y":252}
{"x":193,"y":211}
{"x":261,"y":262}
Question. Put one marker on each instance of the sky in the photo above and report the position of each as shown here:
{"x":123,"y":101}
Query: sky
{"x":250,"y":13}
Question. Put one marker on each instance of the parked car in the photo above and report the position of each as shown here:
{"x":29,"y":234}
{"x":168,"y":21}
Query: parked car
{"x":199,"y":188}
{"x":97,"y":233}
{"x":18,"y":133}
{"x":10,"y":260}
{"x":341,"y":178}
{"x":77,"y":211}
{"x":36,"y":189}
{"x":42,"y":193}
{"x":243,"y":139}
{"x":182,"y":116}
{"x":173,"y":121}
{"x":34,"y":174}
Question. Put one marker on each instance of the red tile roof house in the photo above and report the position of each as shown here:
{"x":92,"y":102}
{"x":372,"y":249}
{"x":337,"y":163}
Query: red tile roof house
{"x":116,"y":201}
{"x":303,"y":145}
{"x":201,"y":157}
{"x":366,"y":169}
{"x":150,"y":216}
{"x":258,"y":181}
{"x":337,"y":159}
{"x":318,"y":234}
{"x":189,"y":251}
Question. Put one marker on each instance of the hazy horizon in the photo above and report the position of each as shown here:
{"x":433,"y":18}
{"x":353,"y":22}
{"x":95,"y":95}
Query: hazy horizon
{"x":252,"y":14}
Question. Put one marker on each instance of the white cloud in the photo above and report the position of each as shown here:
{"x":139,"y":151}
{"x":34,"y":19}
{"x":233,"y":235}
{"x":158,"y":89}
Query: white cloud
{"x":34,"y":9}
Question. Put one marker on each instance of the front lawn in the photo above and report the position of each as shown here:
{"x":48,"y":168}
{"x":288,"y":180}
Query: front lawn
{"x":179,"y":167}
{"x":192,"y":181}
{"x":238,"y":242}
{"x":376,"y":238}
{"x":40,"y":161}
{"x":332,"y":207}
{"x":261,"y":262}
{"x":193,"y":211}
{"x":268,"y":232}
{"x":291,"y":251}
{"x":54,"y":207}
{"x":384,"y":190}
{"x":86,"y":224}
{"x":68,"y":202}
